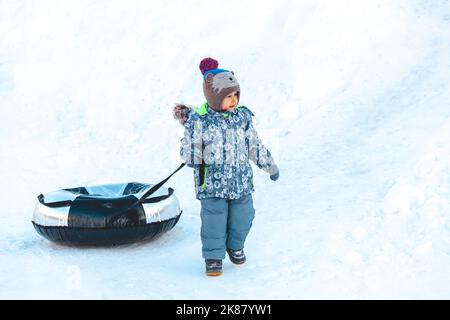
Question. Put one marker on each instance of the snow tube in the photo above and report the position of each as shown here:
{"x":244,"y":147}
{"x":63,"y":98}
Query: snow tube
{"x":106,"y":214}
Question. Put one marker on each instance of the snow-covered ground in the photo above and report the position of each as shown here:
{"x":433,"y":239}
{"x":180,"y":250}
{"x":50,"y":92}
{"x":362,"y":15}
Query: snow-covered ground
{"x":352,"y":97}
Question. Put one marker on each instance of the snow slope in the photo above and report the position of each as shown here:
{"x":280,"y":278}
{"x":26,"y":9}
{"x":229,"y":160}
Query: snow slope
{"x":352,"y":98}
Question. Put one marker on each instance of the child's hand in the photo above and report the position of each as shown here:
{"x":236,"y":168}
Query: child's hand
{"x":181,"y":113}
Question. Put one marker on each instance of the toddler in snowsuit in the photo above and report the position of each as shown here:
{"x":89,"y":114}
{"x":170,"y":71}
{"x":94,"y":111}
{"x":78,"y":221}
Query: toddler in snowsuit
{"x":218,"y":142}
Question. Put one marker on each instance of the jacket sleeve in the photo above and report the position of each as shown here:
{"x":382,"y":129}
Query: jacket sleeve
{"x":191,"y":144}
{"x":257,"y":152}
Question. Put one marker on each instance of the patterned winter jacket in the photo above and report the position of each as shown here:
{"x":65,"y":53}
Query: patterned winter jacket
{"x":218,"y":145}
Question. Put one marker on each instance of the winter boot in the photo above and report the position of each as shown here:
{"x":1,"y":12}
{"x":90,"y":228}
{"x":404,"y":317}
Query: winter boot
{"x":213,"y":267}
{"x":236,"y":256}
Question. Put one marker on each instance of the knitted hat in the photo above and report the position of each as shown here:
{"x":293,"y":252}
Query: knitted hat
{"x":217,"y":83}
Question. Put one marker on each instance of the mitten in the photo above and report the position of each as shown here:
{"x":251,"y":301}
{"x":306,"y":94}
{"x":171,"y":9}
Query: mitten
{"x":275,"y":176}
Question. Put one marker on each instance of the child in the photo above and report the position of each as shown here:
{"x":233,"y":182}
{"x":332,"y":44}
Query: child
{"x":218,"y":142}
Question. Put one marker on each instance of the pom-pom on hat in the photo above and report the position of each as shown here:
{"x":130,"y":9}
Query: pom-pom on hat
{"x":208,"y":64}
{"x":217,"y":83}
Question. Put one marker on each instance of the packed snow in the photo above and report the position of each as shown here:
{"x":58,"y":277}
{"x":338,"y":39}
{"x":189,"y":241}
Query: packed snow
{"x":351,"y":97}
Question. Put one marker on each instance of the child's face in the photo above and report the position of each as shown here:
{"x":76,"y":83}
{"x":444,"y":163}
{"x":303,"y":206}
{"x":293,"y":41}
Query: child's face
{"x":230,"y":101}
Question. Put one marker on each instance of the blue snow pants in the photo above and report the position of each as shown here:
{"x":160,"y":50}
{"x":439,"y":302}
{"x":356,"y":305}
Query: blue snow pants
{"x":225,"y":224}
